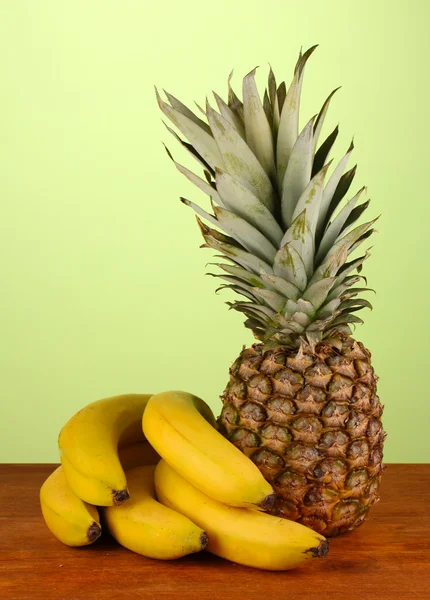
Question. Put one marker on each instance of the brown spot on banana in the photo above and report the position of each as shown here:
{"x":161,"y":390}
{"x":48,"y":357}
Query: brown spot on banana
{"x":94,"y":532}
{"x":204,"y":540}
{"x":120,"y":496}
{"x":319,"y":551}
{"x":268,"y":502}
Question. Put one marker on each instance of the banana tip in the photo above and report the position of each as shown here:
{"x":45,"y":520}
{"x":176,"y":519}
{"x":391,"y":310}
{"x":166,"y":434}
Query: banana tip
{"x":268,"y":502}
{"x":120,"y":496}
{"x":94,"y":532}
{"x":321,"y":550}
{"x":204,"y":540}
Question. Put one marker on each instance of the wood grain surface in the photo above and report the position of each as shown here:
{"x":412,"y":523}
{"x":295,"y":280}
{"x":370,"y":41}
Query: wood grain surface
{"x":386,"y":558}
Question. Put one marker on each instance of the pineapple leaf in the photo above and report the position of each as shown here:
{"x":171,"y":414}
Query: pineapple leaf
{"x":257,"y":128}
{"x":231,"y":250}
{"x":299,"y":236}
{"x":205,"y":214}
{"x":202,"y":141}
{"x":289,"y":121}
{"x":230,"y":116}
{"x":298,"y":173}
{"x":191,"y":150}
{"x":336,"y":227}
{"x":177,"y":104}
{"x":337,"y":292}
{"x":255,"y":326}
{"x":341,"y":190}
{"x":292,"y":327}
{"x":231,"y":279}
{"x":286,"y":288}
{"x":280,"y":339}
{"x":328,"y":310}
{"x":239,"y":159}
{"x":311,"y":198}
{"x":323,"y":151}
{"x":274,"y":103}
{"x":338,"y":254}
{"x":240,"y":200}
{"x":281,"y":94}
{"x":349,"y":267}
{"x":290,"y":308}
{"x":353,"y":303}
{"x":272,"y":86}
{"x":268,"y":109}
{"x":350,"y":239}
{"x":234,"y":102}
{"x":335,"y":331}
{"x":270,"y":298}
{"x":360,"y":240}
{"x":301,"y":318}
{"x":247,"y":309}
{"x":247,"y":276}
{"x":331,"y":264}
{"x":320,"y":324}
{"x":321,"y":117}
{"x":257,"y":309}
{"x":355,"y":215}
{"x":305,"y":306}
{"x":330,"y":189}
{"x":289,"y":265}
{"x":247,"y":235}
{"x":317,"y":293}
{"x":238,"y":289}
{"x":355,"y":291}
{"x":200,"y":183}
{"x":346,"y":318}
{"x":200,"y":108}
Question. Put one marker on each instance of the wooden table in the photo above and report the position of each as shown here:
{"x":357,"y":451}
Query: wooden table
{"x":386,"y":558}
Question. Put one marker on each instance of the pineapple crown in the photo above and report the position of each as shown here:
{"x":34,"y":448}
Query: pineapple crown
{"x":280,"y":227}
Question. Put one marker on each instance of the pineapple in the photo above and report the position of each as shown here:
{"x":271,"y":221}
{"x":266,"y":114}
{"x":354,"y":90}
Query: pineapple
{"x":301,"y":402}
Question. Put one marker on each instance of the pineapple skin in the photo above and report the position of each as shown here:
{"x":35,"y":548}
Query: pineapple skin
{"x":311,"y":421}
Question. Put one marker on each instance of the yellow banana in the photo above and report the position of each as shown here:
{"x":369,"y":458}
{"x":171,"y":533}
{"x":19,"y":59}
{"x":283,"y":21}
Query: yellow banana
{"x":89,"y":447}
{"x":181,"y":428}
{"x":147,"y":527}
{"x":241,"y":535}
{"x":72,"y":521}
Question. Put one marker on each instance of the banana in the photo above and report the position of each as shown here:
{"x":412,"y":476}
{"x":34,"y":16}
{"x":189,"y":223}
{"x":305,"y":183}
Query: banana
{"x":181,"y":428}
{"x":89,"y":447}
{"x":241,"y":535}
{"x":72,"y":521}
{"x":147,"y":527}
{"x":137,"y":454}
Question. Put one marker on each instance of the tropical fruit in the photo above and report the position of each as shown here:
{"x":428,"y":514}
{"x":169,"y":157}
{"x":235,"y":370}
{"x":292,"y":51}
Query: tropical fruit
{"x":302,"y":401}
{"x":72,"y":521}
{"x":181,"y":428}
{"x":241,"y":535}
{"x":89,"y":444}
{"x":147,"y":527}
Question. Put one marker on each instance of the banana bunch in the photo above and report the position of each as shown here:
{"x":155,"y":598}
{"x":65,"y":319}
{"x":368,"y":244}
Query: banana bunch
{"x":70,"y":519}
{"x":202,"y":477}
{"x":181,"y":428}
{"x":88,"y":446}
{"x":147,"y":527}
{"x":203,"y":493}
{"x":97,"y":446}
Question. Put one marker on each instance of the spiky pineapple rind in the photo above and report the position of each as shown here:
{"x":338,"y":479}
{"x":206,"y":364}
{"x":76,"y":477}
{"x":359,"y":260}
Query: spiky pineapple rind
{"x":311,"y":421}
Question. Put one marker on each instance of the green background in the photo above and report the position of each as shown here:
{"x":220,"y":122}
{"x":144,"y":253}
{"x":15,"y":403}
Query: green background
{"x":103,"y":286}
